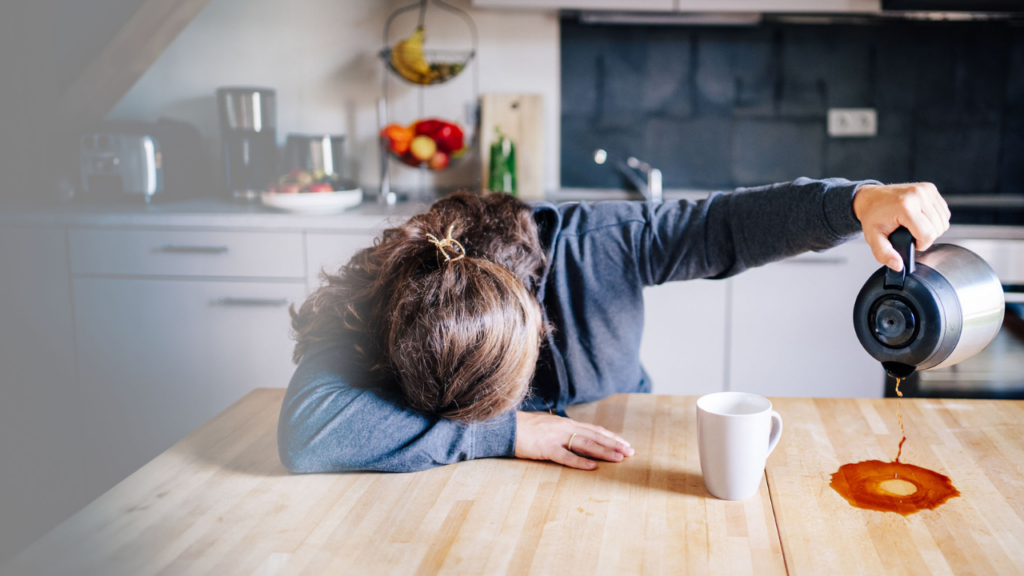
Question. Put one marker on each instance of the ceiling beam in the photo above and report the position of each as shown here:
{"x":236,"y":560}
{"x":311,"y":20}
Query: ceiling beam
{"x":134,"y":48}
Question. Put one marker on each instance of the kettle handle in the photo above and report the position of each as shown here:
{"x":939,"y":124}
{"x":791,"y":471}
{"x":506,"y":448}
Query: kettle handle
{"x":903,"y":241}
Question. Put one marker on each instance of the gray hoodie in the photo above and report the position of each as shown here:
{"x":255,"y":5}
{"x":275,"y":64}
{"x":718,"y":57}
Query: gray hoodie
{"x":600,"y":257}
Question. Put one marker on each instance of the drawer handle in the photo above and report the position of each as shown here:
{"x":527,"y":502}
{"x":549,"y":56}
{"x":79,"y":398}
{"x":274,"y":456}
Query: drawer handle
{"x":251,"y":302}
{"x":173,"y":249}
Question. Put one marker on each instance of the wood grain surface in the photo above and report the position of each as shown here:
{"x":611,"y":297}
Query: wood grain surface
{"x":219,"y":502}
{"x":979,"y":444}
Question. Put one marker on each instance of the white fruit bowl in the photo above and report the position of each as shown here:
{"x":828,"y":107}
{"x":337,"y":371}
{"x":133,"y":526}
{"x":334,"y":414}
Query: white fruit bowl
{"x":313,"y":202}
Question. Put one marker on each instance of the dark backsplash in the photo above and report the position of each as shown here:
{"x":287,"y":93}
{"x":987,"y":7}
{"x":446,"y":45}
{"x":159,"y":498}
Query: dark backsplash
{"x":725,"y":107}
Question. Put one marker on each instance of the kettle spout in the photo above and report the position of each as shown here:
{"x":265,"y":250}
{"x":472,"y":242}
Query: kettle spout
{"x":898,"y":369}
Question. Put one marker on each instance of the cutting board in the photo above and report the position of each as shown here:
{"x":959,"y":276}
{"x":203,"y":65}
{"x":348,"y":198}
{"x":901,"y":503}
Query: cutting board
{"x":979,"y":444}
{"x":521,"y":119}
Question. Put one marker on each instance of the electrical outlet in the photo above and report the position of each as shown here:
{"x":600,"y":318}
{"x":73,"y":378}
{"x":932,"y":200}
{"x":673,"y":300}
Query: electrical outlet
{"x":852,"y":122}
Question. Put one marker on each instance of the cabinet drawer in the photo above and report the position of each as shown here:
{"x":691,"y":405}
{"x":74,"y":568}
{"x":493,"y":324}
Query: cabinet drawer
{"x":187,"y":253}
{"x":328,"y":252}
{"x":157,"y":358}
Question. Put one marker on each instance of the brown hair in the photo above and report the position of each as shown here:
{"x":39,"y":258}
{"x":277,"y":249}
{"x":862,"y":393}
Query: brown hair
{"x":457,"y":339}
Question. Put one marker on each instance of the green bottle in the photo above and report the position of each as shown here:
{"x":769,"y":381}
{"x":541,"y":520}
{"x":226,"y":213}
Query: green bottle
{"x":503,"y":164}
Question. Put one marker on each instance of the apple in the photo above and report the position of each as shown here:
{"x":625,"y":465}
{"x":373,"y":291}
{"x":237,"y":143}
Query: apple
{"x":427,"y":127}
{"x":449,"y":137}
{"x":321,"y":187}
{"x":290,"y":188}
{"x":439,"y":160}
{"x":423,"y":148}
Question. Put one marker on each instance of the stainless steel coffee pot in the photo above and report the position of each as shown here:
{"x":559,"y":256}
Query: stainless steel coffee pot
{"x":945,"y":306}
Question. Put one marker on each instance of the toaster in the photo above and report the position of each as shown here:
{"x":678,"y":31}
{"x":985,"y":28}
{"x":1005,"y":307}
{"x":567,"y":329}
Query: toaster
{"x":115,"y":164}
{"x":148,"y":161}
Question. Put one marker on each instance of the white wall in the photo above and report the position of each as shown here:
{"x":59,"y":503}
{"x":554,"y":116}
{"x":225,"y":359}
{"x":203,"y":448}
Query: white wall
{"x":321,"y":58}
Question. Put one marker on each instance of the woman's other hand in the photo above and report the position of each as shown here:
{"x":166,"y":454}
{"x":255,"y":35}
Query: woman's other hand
{"x":542,"y":436}
{"x":882,"y":209}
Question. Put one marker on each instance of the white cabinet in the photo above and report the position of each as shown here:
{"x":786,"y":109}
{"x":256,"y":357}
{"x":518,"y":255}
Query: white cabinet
{"x":684,"y":341}
{"x":330,"y":251}
{"x":172,"y":326}
{"x":186,"y":253}
{"x":791,"y":331}
{"x":157,"y":358}
{"x":41,"y":459}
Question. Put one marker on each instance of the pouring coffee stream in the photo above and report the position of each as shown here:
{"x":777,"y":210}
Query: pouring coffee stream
{"x":944,"y":306}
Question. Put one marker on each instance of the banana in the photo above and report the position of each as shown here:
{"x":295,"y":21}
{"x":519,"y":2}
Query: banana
{"x":407,"y":58}
{"x":405,"y":71}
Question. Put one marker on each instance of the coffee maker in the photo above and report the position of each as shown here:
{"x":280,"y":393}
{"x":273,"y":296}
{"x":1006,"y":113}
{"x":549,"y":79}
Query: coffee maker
{"x":248,"y":121}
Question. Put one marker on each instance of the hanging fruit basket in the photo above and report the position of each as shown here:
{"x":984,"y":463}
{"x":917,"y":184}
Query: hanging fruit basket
{"x":411,"y":62}
{"x":428,"y":143}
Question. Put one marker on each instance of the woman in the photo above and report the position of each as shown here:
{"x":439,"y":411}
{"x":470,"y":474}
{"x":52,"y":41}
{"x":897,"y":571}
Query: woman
{"x":465,"y":332}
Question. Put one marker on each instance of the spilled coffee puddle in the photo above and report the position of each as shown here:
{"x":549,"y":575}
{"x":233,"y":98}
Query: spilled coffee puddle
{"x":893,"y":486}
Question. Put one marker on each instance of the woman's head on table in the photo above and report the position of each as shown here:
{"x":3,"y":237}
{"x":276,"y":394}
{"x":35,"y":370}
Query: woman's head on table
{"x":446,"y":305}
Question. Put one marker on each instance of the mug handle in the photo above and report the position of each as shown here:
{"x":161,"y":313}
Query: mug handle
{"x":776,"y":433}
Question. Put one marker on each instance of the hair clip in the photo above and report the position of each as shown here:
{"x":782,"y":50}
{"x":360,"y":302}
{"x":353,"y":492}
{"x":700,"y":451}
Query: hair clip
{"x":447,"y":242}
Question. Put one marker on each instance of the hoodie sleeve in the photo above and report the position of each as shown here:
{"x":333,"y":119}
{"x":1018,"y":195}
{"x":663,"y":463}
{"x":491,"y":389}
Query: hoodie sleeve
{"x":728,"y":233}
{"x":328,"y":425}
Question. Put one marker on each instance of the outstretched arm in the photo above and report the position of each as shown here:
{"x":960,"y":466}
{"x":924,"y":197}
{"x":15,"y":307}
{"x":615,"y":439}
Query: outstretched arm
{"x":728,"y":233}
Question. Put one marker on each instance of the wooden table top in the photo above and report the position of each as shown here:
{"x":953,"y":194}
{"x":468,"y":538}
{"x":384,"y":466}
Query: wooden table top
{"x":219,"y":502}
{"x":979,"y":444}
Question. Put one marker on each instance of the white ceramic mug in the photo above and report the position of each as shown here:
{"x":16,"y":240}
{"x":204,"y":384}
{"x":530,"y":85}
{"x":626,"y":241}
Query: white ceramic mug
{"x":736,"y":432}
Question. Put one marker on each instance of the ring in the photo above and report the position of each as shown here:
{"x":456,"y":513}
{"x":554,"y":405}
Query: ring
{"x":569,"y":447}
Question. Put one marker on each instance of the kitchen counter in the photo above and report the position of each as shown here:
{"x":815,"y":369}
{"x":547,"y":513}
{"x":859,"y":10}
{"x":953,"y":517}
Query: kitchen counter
{"x":204,"y":213}
{"x":212,"y":213}
{"x":219,"y":502}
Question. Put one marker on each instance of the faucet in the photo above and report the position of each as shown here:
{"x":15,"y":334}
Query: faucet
{"x":650,"y":189}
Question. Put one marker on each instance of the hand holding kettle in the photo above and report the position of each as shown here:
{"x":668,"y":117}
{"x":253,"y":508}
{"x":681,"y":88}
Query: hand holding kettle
{"x":932,"y":307}
{"x":883,"y":209}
